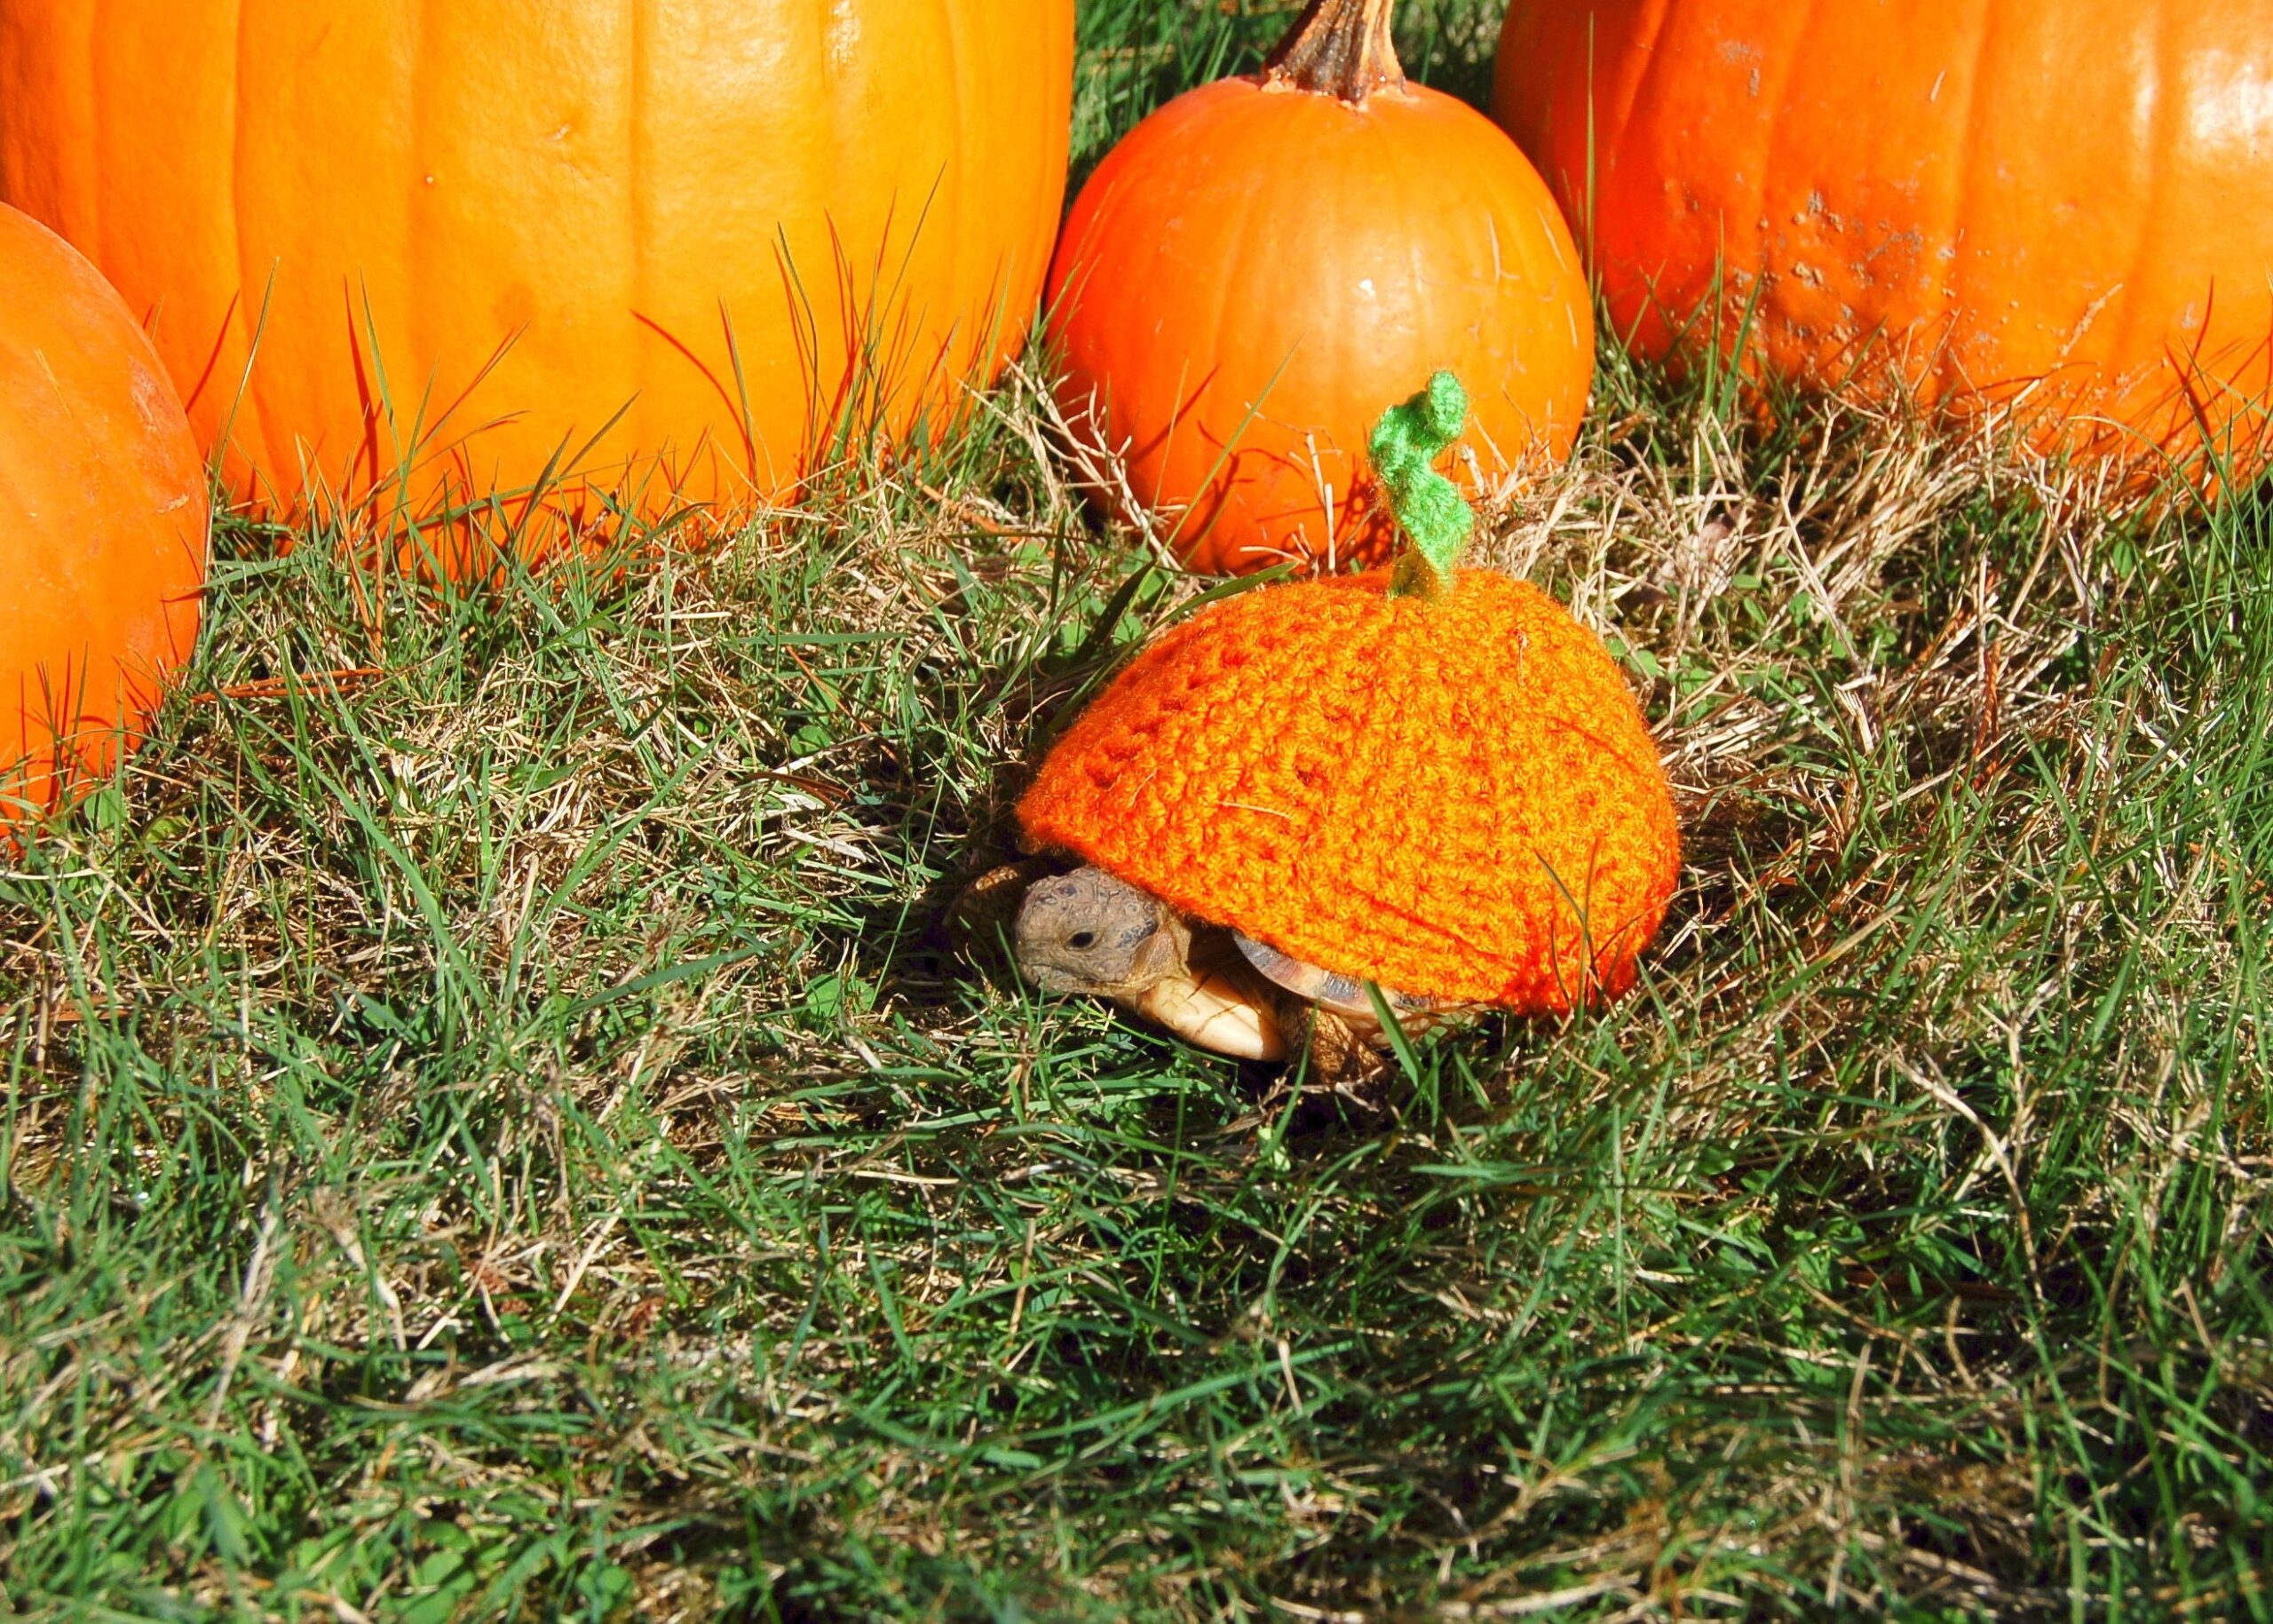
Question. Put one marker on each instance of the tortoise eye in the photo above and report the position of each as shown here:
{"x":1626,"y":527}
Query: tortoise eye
{"x":1081,"y":941}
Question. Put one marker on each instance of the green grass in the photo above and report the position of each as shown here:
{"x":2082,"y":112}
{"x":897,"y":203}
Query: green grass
{"x":505,"y":1137}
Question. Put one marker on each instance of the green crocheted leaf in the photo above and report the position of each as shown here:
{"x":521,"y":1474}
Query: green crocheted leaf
{"x":1404,"y":447}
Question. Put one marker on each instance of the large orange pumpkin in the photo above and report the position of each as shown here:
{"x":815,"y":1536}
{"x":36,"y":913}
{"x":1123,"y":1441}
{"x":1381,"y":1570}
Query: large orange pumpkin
{"x":2061,"y":204}
{"x":679,"y":244}
{"x":102,"y":522}
{"x":1264,"y":260}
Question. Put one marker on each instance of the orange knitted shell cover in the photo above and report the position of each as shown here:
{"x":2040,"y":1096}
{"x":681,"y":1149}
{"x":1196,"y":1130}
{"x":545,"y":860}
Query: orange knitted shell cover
{"x":1456,"y":797}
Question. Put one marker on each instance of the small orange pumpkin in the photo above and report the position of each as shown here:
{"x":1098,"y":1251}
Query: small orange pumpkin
{"x":103,"y":507}
{"x":2057,"y":204}
{"x":1265,"y":259}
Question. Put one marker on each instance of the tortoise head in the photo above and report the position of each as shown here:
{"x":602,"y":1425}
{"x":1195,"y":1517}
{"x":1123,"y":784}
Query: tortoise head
{"x":1088,"y":932}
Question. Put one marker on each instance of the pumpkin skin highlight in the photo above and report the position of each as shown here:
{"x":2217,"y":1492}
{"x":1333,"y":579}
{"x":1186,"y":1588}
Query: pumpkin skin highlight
{"x":1256,"y":267}
{"x":103,"y":518}
{"x":2055,"y":204}
{"x":698,"y":215}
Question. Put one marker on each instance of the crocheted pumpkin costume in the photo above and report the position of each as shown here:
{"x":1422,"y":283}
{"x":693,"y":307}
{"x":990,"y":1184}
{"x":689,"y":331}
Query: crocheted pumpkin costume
{"x":1429,"y":778}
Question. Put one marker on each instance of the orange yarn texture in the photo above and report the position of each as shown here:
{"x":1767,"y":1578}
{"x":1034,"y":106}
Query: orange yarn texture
{"x":1454,"y":797}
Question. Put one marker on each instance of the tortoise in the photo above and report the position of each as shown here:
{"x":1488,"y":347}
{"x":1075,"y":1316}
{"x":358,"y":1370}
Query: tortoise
{"x":1423,"y":779}
{"x":1088,"y":932}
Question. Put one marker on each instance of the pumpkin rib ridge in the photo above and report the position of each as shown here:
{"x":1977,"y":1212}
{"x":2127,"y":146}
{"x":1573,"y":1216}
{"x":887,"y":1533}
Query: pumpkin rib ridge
{"x":419,"y":255}
{"x":2166,"y":133}
{"x":1241,"y":244}
{"x":1950,"y":291}
{"x":1656,"y":63}
{"x":962,"y":270}
{"x":97,"y":215}
{"x":637,"y":209}
{"x":1508,"y":192}
{"x":1654,"y":15}
{"x":244,"y":403}
{"x":1775,"y":161}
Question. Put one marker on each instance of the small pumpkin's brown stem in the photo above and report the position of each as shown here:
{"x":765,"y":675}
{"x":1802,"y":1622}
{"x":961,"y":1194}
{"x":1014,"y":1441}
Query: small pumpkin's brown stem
{"x":1340,"y":48}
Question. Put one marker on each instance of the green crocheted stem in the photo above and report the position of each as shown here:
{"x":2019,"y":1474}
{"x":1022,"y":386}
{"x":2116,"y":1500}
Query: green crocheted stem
{"x":1430,"y":509}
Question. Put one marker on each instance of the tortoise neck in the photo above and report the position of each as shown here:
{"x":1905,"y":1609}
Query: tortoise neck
{"x":1340,"y":48}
